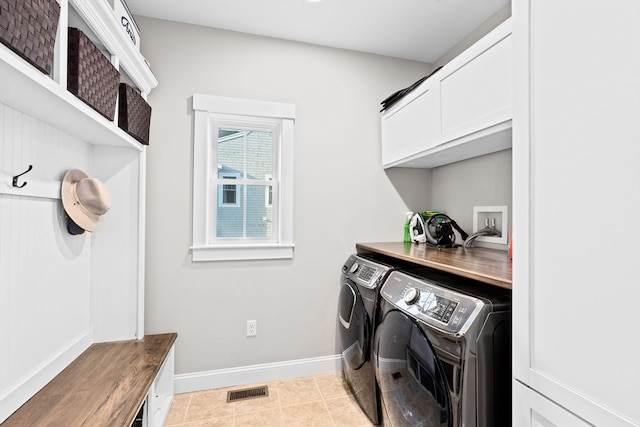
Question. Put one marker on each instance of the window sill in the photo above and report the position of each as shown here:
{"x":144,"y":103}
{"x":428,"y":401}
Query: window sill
{"x":241,"y":252}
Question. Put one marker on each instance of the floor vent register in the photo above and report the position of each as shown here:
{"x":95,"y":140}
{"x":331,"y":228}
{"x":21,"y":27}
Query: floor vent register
{"x":247,"y":393}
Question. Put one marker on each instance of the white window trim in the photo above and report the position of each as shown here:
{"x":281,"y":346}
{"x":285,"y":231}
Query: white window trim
{"x":203,"y":106}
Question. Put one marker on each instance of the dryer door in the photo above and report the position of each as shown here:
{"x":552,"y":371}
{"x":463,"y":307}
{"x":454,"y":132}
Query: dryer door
{"x":411,"y":379}
{"x":354,"y":326}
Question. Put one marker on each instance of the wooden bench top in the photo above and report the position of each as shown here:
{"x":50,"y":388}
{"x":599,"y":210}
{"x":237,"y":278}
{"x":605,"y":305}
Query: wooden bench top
{"x":105,"y":386}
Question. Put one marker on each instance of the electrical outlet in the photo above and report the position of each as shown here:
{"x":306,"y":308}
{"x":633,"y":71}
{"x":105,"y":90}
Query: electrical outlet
{"x":493,"y":216}
{"x":252,"y":328}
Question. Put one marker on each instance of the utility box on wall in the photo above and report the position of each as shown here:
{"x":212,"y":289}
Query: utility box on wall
{"x":491,"y":216}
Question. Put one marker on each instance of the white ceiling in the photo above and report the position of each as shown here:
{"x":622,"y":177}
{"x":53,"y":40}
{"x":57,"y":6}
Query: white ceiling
{"x":421,"y":30}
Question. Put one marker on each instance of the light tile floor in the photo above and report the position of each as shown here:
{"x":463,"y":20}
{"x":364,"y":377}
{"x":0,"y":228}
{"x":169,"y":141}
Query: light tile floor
{"x":321,"y":401}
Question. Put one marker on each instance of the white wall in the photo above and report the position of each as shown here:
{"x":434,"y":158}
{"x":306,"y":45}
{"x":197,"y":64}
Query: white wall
{"x":44,"y":271}
{"x":341,"y":193}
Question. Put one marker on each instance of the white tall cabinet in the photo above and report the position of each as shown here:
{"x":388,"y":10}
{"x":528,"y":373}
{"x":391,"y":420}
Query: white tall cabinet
{"x":576,"y":203}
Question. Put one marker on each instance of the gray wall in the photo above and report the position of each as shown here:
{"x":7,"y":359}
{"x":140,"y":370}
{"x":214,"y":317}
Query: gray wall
{"x":496,"y":19}
{"x":341,"y":193}
{"x":483,"y":181}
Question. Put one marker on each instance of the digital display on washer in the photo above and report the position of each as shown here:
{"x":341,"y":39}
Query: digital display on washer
{"x":439,"y":308}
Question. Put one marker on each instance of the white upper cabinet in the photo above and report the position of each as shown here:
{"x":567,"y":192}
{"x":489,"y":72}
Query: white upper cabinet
{"x":405,"y":130}
{"x":475,"y":90}
{"x":461,"y":111}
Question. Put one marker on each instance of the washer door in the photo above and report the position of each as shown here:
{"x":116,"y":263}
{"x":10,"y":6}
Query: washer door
{"x":411,"y":379}
{"x":354,"y":326}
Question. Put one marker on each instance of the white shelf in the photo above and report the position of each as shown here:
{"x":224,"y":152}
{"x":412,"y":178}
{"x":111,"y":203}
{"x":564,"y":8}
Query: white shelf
{"x":36,"y":94}
{"x":26,"y":89}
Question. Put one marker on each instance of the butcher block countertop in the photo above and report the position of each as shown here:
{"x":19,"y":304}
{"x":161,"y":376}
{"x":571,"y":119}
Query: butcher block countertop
{"x":485,"y":265}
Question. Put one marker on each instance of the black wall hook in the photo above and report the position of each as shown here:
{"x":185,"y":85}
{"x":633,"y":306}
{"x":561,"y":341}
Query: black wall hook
{"x":15,"y":178}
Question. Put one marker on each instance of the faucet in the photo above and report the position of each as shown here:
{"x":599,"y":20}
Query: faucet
{"x":488,"y":230}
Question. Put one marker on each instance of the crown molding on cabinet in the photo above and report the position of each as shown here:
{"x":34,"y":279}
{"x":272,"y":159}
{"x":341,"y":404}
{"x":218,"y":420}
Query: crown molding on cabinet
{"x":103,"y":21}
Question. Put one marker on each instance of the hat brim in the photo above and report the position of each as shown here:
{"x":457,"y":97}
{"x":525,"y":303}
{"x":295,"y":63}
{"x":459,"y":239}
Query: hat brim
{"x":81,"y":217}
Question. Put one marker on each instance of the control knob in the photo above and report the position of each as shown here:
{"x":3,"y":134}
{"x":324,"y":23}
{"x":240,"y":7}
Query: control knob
{"x":354,"y":267}
{"x":411,"y":296}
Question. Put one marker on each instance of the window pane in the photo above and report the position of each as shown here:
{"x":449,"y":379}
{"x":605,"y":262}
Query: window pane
{"x":229,"y":194}
{"x":259,"y":217}
{"x":231,"y":151}
{"x":230,"y":216}
{"x":259,"y":154}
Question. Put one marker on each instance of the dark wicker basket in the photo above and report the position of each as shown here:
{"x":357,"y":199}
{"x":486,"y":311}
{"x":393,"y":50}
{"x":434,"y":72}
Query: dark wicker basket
{"x":134,"y":114}
{"x":90,"y":75}
{"x":28,"y":27}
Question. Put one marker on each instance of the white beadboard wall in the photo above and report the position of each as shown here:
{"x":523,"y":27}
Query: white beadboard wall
{"x":44,"y":271}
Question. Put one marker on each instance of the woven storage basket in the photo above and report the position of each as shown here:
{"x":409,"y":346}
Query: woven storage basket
{"x":90,"y":75}
{"x":28,"y":27}
{"x":134,"y":114}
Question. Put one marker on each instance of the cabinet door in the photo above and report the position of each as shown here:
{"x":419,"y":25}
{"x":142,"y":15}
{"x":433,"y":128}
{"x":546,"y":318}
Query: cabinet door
{"x":476,"y":90}
{"x":576,"y":204}
{"x":533,"y":409}
{"x":411,"y":126}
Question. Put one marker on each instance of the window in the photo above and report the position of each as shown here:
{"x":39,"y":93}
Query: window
{"x":242,"y":183}
{"x":228,"y":195}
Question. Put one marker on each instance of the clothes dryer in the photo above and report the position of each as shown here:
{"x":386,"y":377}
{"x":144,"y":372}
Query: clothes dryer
{"x":443,"y":352}
{"x":360,"y":282}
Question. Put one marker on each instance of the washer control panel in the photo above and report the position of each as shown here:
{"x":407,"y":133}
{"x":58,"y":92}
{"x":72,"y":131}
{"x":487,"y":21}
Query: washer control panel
{"x":428,"y":302}
{"x":364,"y":272}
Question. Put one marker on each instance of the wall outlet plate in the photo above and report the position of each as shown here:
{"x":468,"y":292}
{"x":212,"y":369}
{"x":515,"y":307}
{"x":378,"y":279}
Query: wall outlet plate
{"x":501,"y":216}
{"x":252,"y":328}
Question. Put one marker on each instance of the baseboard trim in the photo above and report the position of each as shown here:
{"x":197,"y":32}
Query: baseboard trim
{"x":16,"y":397}
{"x":198,"y":381}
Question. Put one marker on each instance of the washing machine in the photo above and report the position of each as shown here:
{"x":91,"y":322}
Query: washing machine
{"x":360,"y":283}
{"x":442,"y":352}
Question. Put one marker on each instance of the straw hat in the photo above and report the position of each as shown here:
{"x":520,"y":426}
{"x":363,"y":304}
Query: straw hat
{"x":84,"y":199}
